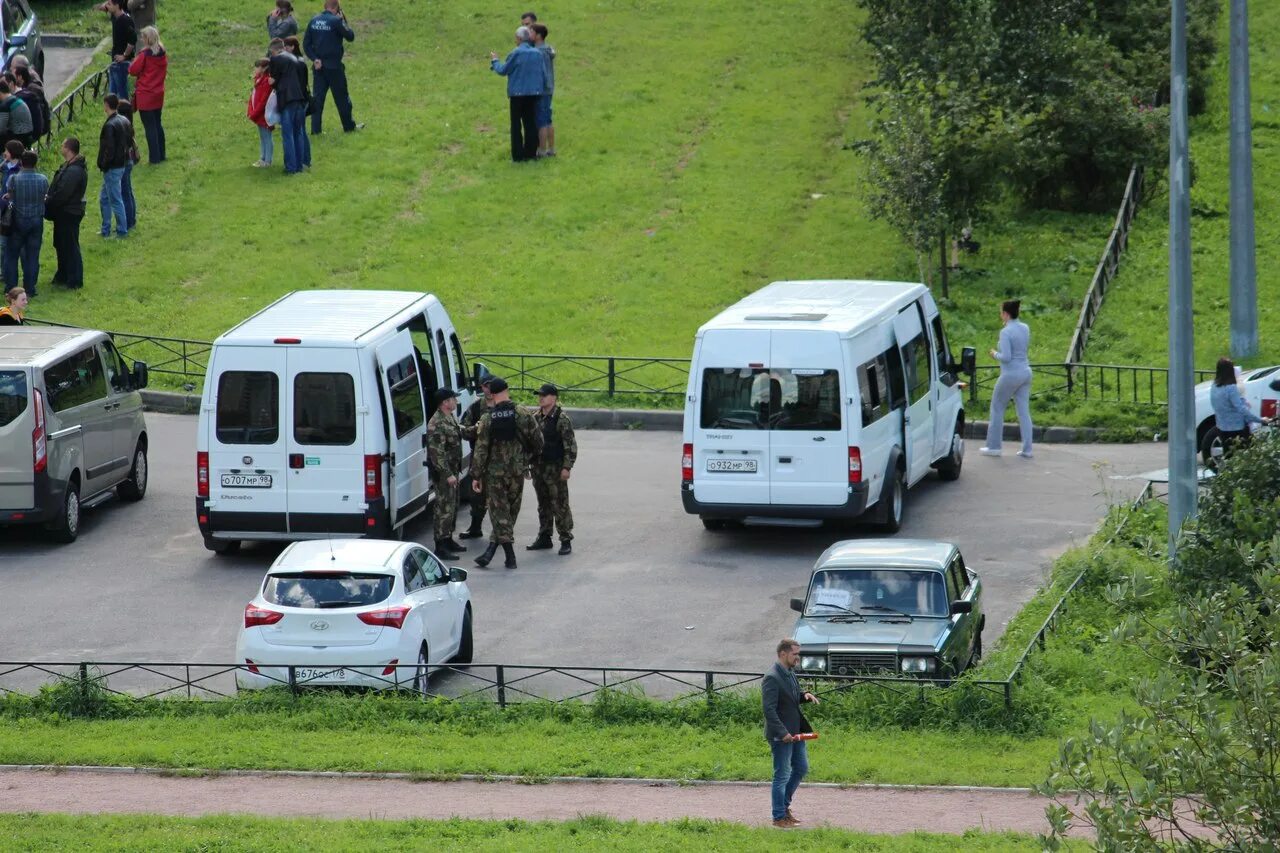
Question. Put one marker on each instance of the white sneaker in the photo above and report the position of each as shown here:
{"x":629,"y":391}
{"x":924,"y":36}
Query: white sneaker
{"x":259,"y":164}
{"x":1025,"y":454}
{"x":989,"y":451}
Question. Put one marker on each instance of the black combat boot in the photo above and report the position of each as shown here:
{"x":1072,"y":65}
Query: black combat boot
{"x":542,"y":543}
{"x":474,"y":531}
{"x":454,"y":546}
{"x":510,"y":551}
{"x":566,"y":547}
{"x":444,"y":549}
{"x":483,"y":560}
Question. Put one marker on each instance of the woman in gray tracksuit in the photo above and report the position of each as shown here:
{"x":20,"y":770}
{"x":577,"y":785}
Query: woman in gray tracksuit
{"x":1014,"y":382}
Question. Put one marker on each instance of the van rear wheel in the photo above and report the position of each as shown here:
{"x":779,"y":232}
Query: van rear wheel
{"x":222,"y":546}
{"x":892,"y":503}
{"x":66,"y":527}
{"x":714,"y":523}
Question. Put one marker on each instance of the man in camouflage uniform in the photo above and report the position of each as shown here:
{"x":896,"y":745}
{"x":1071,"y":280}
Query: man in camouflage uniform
{"x":507,"y":442}
{"x":470,"y":418}
{"x":551,"y":471}
{"x":444,"y":457}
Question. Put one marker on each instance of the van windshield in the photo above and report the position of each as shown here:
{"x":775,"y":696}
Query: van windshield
{"x":13,"y":395}
{"x":778,"y":398}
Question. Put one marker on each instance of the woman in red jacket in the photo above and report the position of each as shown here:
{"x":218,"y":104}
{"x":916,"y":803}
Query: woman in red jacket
{"x":262,"y":112}
{"x":150,"y":67}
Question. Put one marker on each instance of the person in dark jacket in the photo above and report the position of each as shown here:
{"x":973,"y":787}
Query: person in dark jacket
{"x":31,"y":91}
{"x":126,"y":111}
{"x":294,"y":46}
{"x":323,"y":46}
{"x":280,"y":22}
{"x":782,"y":697}
{"x":15,"y":115}
{"x":124,"y":43}
{"x":143,"y":12}
{"x":65,"y":206}
{"x":291,"y":102}
{"x":113,"y":156}
{"x":27,"y":191}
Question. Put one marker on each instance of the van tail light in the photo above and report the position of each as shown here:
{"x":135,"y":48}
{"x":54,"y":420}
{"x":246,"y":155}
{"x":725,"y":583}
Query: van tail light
{"x":372,"y":477}
{"x":202,"y":474}
{"x":388,"y":617}
{"x":855,"y":465}
{"x":1268,"y":408}
{"x":254,"y":615}
{"x":686,"y":464}
{"x":39,"y":440}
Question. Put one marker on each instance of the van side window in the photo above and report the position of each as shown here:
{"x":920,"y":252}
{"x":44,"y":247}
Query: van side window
{"x":324,"y":409}
{"x":873,"y":382}
{"x":897,"y":384}
{"x":780,"y":398}
{"x":248,"y":407}
{"x":13,"y":395}
{"x":406,"y":395}
{"x":76,"y":380}
{"x":459,"y":362}
{"x":940,"y":346}
{"x":915,"y":356}
{"x":117,"y":373}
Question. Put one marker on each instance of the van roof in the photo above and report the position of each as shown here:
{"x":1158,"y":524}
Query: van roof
{"x":847,"y":307}
{"x":25,"y":344}
{"x":328,"y":317}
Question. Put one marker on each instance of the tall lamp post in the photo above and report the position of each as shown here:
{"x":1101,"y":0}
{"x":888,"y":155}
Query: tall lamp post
{"x":1182,"y":432}
{"x":1244,"y":271}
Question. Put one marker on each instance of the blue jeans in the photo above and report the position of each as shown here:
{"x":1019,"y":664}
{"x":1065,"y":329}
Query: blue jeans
{"x":293,"y":133}
{"x":126,"y":194}
{"x":266,"y":145}
{"x":111,"y":200}
{"x":118,"y":79}
{"x":23,"y":243}
{"x":790,"y":764}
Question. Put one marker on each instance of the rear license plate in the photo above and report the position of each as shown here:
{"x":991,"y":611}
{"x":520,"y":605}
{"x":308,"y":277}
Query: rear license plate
{"x":732,"y":466}
{"x":246,"y":481}
{"x":304,"y":674}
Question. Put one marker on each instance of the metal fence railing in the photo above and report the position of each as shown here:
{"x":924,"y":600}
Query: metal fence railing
{"x":1108,"y":383}
{"x":85,"y":96}
{"x":591,"y":374}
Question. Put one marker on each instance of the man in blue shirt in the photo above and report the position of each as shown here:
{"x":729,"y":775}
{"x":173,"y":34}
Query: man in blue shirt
{"x":527,"y":81}
{"x":27,"y":190}
{"x":323,"y":46}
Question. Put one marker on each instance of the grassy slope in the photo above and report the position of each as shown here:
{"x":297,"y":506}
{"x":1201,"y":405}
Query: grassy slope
{"x":690,"y":161}
{"x":149,"y":832}
{"x":1134,"y":325}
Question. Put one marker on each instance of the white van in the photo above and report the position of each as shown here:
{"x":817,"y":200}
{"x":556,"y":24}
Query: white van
{"x":820,"y":400}
{"x":314,"y":416}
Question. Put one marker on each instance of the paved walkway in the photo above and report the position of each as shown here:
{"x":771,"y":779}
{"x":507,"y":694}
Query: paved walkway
{"x":863,"y":808}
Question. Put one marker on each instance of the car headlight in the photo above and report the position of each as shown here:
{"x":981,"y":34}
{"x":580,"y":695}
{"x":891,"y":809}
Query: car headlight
{"x":813,"y":663}
{"x":919,"y":664}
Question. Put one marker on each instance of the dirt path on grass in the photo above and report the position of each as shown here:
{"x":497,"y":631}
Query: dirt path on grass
{"x":866,"y":809}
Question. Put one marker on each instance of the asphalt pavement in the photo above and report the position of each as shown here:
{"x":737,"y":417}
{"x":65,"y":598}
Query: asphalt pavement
{"x":61,"y":66}
{"x":645,"y":586}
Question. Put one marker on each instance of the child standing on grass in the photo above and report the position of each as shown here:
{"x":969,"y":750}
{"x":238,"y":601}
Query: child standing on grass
{"x":260,"y":98}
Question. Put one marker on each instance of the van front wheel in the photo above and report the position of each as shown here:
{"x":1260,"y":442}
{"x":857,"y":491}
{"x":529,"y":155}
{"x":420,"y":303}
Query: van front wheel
{"x":135,"y":488}
{"x":949,"y":468}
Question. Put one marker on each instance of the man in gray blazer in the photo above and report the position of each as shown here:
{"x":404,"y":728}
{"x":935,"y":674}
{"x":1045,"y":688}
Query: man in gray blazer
{"x":783,"y":720}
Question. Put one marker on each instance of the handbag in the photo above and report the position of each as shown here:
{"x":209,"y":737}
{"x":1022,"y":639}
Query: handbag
{"x":6,"y":220}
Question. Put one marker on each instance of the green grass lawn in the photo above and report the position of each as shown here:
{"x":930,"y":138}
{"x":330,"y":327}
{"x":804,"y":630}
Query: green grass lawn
{"x":44,"y":832}
{"x":701,"y":156}
{"x":1134,"y":323}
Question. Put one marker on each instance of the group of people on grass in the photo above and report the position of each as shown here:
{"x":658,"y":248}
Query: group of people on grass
{"x":531,"y":83}
{"x":283,"y":95}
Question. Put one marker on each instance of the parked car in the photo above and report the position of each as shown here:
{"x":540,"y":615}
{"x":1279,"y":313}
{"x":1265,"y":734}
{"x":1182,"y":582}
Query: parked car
{"x":820,"y":400}
{"x":313,"y":422}
{"x":1261,"y":392}
{"x":355,"y":612}
{"x":72,"y":433}
{"x":22,"y":34}
{"x":890,"y":607}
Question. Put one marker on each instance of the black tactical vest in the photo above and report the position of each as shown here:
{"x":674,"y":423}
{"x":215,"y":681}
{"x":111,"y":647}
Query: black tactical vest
{"x":502,"y":422}
{"x":552,"y":442}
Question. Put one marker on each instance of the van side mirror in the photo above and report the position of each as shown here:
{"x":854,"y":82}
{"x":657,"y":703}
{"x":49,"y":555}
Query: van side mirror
{"x":140,"y":375}
{"x":457,"y":575}
{"x":797,"y":604}
{"x":968,"y":360}
{"x":959,"y":606}
{"x":478,"y":372}
{"x":1275,"y":384}
{"x":16,"y":41}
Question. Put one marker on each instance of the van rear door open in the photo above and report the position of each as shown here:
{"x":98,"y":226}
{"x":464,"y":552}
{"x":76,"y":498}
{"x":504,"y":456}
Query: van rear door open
{"x":407,"y":424}
{"x":248,"y":489}
{"x":913,"y":344}
{"x":731,"y":435}
{"x":808,"y":453}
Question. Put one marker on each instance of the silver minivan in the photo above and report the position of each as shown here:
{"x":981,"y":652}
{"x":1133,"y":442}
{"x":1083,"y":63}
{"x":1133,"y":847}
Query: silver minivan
{"x":71,"y":426}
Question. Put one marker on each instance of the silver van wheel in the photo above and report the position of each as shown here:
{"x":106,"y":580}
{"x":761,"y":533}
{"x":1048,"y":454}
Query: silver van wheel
{"x":67,"y":526}
{"x":135,"y":488}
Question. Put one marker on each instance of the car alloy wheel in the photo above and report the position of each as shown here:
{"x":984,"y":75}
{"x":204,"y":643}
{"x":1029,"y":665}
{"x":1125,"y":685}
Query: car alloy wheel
{"x":422,"y":674}
{"x":72,"y":518}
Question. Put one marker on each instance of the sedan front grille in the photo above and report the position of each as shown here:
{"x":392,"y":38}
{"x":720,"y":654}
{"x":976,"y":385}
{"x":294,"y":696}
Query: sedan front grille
{"x":859,"y":663}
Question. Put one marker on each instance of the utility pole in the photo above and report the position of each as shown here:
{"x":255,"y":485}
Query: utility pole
{"x":1182,"y":430}
{"x":1244,"y":270}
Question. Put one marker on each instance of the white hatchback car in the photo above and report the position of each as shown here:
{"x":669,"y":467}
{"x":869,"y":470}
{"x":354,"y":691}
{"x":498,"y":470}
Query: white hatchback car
{"x":358,"y":612}
{"x":1261,"y":392}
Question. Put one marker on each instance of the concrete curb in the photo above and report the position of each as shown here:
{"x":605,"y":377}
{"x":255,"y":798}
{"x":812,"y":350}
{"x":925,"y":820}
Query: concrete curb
{"x":474,"y":777}
{"x":658,"y":420}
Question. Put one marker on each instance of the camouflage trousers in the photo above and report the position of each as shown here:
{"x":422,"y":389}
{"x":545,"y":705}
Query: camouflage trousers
{"x":553,"y":500}
{"x":503,"y":495}
{"x":446,"y":509}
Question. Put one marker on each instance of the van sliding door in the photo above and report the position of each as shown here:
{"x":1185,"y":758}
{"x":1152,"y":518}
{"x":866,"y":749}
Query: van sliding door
{"x":406,"y":420}
{"x":913,"y":344}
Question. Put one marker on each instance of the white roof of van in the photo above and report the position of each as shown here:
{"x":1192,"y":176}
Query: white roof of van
{"x":328,"y":317}
{"x":831,"y":305}
{"x":26,"y":344}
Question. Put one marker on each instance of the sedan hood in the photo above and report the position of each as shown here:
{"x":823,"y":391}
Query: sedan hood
{"x":816,"y":632}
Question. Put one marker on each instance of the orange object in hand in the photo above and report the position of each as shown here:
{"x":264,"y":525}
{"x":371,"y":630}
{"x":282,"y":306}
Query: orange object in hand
{"x":806,"y":736}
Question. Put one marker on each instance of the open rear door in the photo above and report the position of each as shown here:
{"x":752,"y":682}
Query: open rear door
{"x":406,"y":424}
{"x":913,"y":344}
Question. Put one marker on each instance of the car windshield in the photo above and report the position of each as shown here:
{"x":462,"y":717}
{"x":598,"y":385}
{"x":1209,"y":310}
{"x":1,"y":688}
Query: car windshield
{"x":914,"y":592}
{"x":326,"y":589}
